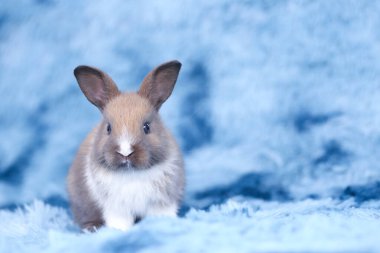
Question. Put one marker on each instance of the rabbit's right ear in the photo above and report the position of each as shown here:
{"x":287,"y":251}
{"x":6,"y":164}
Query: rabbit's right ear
{"x":96,"y":85}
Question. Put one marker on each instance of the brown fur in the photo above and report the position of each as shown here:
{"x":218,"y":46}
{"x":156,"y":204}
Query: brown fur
{"x":86,"y":213}
{"x":95,"y":80}
{"x":130,"y":111}
{"x":164,"y":77}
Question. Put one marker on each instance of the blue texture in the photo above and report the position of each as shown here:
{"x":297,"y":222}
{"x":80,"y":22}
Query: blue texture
{"x":276,"y":110}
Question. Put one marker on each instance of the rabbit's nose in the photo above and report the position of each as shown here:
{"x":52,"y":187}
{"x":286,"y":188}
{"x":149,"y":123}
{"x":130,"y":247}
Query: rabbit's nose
{"x":125,"y":154}
{"x":125,"y":149}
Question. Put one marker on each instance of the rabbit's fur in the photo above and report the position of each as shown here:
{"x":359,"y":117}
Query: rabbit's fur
{"x":129,"y":166}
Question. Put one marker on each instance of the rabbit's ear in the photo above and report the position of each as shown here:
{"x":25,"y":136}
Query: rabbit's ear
{"x":159,"y":83}
{"x":96,"y":85}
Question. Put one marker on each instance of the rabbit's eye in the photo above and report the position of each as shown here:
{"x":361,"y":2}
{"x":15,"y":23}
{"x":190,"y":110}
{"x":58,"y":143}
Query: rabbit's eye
{"x":146,"y":127}
{"x":108,"y":128}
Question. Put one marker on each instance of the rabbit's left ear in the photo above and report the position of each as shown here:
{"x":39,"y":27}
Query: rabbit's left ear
{"x":159,"y":83}
{"x":96,"y":85}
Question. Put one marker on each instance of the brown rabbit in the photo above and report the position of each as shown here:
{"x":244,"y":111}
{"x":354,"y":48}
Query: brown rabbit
{"x":129,"y":166}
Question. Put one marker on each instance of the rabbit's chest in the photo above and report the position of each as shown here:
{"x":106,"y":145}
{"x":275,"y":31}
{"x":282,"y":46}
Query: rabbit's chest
{"x":127,"y":196}
{"x":129,"y":193}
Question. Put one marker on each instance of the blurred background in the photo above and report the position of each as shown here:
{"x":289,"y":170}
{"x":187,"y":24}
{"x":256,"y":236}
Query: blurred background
{"x":276,"y":100}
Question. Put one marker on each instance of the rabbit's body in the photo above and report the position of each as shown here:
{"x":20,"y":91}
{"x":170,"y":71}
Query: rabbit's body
{"x":119,"y":198}
{"x":123,"y":174}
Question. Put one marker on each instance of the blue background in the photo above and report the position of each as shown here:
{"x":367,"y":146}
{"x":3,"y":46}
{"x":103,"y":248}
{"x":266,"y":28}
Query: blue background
{"x":277,"y":111}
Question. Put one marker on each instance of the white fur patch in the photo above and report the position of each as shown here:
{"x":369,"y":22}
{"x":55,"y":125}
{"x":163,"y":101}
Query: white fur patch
{"x":125,"y":144}
{"x":170,"y":210}
{"x":125,"y":195}
{"x":114,"y":221}
{"x":125,"y":148}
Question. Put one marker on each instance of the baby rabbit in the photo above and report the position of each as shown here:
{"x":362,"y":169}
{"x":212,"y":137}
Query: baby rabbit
{"x":129,"y":166}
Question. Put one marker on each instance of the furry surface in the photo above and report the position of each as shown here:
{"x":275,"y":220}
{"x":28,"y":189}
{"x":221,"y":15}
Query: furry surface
{"x":276,"y":109}
{"x":254,"y":226}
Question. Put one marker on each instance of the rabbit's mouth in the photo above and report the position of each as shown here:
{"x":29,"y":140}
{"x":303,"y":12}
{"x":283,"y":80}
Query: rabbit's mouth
{"x":126,"y":164}
{"x":139,"y":159}
{"x":115,"y":164}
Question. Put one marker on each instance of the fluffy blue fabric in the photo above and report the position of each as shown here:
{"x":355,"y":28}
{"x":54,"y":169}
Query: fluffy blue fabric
{"x":276,"y":109}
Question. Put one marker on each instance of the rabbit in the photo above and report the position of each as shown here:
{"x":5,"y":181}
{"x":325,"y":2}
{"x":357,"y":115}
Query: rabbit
{"x":129,"y":166}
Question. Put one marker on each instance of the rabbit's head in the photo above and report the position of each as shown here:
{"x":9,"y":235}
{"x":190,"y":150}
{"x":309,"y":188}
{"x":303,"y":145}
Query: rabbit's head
{"x":131,"y":134}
